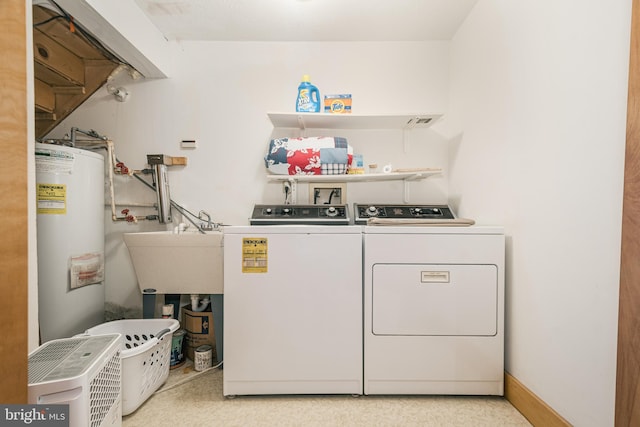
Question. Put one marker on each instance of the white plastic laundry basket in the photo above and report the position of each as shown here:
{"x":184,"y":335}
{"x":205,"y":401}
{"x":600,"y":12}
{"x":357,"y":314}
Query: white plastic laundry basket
{"x":146,"y":356}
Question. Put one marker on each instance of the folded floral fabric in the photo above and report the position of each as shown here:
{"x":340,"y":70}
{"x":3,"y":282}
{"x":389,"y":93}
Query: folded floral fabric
{"x":308,"y":156}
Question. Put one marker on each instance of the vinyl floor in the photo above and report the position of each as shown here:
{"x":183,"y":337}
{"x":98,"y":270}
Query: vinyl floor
{"x":191,"y":398}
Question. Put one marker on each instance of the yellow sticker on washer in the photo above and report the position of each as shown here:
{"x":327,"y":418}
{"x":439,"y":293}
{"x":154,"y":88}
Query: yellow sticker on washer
{"x":52,"y":199}
{"x":254,"y":255}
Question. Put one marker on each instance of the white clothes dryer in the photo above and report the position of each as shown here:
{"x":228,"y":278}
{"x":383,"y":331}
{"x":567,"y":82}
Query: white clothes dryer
{"x":433,"y":310}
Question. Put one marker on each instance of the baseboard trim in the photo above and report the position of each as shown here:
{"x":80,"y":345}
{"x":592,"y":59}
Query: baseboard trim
{"x":531,"y":406}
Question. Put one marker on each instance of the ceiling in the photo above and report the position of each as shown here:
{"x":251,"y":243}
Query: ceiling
{"x":307,"y":20}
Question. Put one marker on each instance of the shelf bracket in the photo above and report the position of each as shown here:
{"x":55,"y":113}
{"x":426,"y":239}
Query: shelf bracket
{"x":301,"y":126}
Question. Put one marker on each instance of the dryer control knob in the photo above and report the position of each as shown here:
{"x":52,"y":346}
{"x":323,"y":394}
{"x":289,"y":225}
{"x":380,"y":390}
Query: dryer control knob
{"x":332,"y":211}
{"x":268,"y":211}
{"x":372,"y":211}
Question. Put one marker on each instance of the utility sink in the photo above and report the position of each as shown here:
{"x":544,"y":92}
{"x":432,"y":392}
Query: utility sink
{"x":170,"y":263}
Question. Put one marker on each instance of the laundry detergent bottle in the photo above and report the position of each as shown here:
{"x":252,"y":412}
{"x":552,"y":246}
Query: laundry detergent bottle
{"x":308,"y":97}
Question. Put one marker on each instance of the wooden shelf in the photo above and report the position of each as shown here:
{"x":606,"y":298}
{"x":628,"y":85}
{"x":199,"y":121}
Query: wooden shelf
{"x":351,"y":121}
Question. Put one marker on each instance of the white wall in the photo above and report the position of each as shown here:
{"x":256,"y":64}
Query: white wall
{"x":220,"y":95}
{"x":535,"y":99}
{"x":539,"y":96}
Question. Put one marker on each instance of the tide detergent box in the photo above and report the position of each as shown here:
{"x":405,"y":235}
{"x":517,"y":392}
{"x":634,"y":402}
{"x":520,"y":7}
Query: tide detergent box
{"x":337,"y":104}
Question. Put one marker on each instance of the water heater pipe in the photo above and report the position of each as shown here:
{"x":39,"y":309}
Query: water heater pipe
{"x":112,"y":156}
{"x":107,"y":144}
{"x":162,"y":192}
{"x":115,"y":166}
{"x":159,"y":164}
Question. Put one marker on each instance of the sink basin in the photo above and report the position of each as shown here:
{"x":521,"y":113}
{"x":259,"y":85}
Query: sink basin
{"x":186,"y":263}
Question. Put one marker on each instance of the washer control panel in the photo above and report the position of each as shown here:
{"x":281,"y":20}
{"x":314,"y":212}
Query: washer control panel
{"x":363,"y":212}
{"x":300,"y":214}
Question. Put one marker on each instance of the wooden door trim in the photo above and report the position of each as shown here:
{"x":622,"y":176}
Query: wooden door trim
{"x":627,"y":409}
{"x":14,"y":183}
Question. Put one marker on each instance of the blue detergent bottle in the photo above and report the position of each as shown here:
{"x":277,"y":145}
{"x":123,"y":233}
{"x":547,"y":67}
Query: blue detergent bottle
{"x":308,"y":97}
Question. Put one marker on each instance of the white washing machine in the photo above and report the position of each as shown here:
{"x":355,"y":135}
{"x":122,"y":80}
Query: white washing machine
{"x":433,"y":310}
{"x":293,"y":303}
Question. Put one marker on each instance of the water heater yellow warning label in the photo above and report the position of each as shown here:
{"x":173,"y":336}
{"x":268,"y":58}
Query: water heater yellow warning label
{"x":52,"y":199}
{"x":254,"y":255}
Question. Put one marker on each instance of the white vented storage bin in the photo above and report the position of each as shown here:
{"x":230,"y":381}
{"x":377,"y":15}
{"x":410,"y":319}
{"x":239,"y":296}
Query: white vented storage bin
{"x":83,"y":372}
{"x":146,"y":356}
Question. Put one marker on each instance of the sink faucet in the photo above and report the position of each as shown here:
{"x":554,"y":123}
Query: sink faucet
{"x":208,"y":226}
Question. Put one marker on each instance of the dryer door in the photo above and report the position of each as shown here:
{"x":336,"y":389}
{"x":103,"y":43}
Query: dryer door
{"x":435,"y":299}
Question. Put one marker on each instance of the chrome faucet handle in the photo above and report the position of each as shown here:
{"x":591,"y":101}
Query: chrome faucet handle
{"x":208,"y":226}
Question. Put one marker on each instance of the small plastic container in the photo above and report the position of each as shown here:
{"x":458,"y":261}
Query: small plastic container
{"x":145,"y":354}
{"x":308,"y":100}
{"x":167,"y":311}
{"x":357,"y":165}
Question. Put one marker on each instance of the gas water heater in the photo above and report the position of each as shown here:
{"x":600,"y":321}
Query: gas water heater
{"x":70,"y":235}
